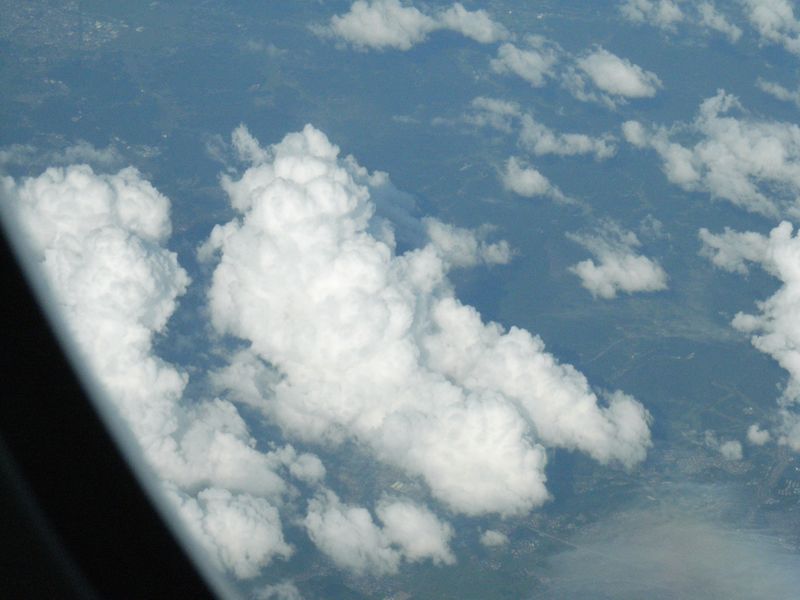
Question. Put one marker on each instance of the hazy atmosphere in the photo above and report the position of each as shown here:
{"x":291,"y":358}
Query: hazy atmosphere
{"x":428,"y":299}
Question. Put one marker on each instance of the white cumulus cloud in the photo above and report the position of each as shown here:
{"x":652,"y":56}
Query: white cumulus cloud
{"x":525,"y":180}
{"x":353,"y":540}
{"x":491,"y":538}
{"x":350,"y":340}
{"x":774,"y":330}
{"x":775,"y":22}
{"x":729,"y":449}
{"x":243,"y":532}
{"x":382,"y":24}
{"x":99,"y":240}
{"x":476,"y":25}
{"x":752,"y":163}
{"x":619,"y":267}
{"x":757,"y":436}
{"x":601,"y":76}
{"x":416,"y":530}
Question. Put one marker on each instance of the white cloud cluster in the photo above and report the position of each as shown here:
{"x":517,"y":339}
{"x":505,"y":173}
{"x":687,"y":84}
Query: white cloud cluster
{"x":619,"y":267}
{"x":242,"y":532}
{"x":350,"y":340}
{"x":351,"y":538}
{"x":775,"y":22}
{"x":524,"y":180}
{"x":382,"y":24}
{"x":752,"y":163}
{"x":666,"y":14}
{"x":536,"y":137}
{"x":100,"y":242}
{"x":601,"y":76}
{"x":533,"y":63}
{"x":775,"y":329}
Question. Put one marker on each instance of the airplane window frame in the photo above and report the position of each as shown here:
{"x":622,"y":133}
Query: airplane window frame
{"x":79,"y":522}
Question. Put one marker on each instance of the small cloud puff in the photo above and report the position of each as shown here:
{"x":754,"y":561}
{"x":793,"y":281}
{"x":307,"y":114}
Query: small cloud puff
{"x":540,"y":139}
{"x":349,"y":536}
{"x":492,"y":539}
{"x":594,"y":76}
{"x":729,"y":449}
{"x":620,"y":269}
{"x":382,"y":24}
{"x":615,"y":79}
{"x":526,"y":181}
{"x":463,"y":248}
{"x":285,"y":590}
{"x":534,"y":63}
{"x":757,"y":436}
{"x":536,"y":137}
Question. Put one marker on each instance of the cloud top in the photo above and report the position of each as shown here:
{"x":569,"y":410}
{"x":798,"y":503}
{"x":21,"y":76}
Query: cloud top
{"x":371,"y":345}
